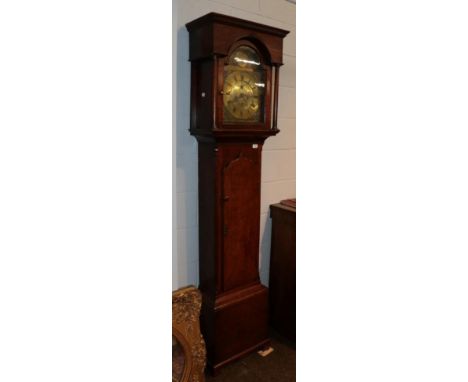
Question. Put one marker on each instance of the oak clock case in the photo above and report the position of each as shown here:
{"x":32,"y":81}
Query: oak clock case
{"x":234,"y":105}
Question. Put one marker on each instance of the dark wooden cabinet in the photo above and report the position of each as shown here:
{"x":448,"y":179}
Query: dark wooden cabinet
{"x":282,"y":283}
{"x":234,"y":102}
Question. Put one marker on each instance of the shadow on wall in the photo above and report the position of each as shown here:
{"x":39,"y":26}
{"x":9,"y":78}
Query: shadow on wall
{"x":186,"y":172}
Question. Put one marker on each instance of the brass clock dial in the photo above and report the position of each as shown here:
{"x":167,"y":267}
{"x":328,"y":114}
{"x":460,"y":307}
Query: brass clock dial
{"x":244,"y":87}
{"x":241,"y":95}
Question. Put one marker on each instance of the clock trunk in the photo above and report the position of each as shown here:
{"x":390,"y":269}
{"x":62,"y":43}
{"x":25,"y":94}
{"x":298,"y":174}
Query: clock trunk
{"x":235,"y":304}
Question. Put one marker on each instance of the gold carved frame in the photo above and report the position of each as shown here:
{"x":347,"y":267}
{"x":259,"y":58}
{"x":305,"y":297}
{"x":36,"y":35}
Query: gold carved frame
{"x":186,"y":305}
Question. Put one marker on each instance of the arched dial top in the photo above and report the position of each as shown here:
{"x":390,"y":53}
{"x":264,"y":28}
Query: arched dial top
{"x":244,"y":87}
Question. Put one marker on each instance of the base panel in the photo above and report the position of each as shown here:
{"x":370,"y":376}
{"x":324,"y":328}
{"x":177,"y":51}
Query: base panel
{"x":240,"y":326}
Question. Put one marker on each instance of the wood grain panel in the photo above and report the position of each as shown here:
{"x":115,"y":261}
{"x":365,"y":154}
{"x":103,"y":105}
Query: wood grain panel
{"x":241,"y":190}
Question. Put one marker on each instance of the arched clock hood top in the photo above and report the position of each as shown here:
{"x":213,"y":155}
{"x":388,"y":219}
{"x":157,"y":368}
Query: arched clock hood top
{"x":208,"y":36}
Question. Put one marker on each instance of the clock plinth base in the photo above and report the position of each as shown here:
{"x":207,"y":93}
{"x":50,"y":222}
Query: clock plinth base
{"x":236,"y":325}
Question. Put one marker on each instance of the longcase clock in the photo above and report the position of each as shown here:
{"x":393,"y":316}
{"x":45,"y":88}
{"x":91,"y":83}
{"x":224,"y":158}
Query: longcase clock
{"x":234,"y":107}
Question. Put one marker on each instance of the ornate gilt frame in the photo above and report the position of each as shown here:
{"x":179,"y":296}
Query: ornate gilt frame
{"x":186,"y":305}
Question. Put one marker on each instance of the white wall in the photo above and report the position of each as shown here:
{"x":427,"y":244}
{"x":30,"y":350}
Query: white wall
{"x":279,"y":153}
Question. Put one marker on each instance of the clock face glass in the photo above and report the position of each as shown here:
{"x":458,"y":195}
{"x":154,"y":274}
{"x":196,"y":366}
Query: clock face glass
{"x":244,"y":87}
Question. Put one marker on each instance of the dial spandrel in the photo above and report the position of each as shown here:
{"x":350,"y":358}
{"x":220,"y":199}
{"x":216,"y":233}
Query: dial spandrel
{"x":244,"y":87}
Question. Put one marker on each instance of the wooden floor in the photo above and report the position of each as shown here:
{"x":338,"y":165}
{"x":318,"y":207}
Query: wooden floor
{"x":278,"y":366}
